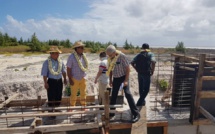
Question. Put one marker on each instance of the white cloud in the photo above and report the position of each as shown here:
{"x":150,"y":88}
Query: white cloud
{"x":158,"y":22}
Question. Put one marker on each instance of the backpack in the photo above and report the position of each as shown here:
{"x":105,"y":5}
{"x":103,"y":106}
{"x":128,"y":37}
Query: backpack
{"x":143,"y":63}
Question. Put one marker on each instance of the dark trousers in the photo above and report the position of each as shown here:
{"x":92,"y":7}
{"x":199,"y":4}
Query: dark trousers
{"x":54,"y":92}
{"x":116,"y":85}
{"x":144,"y":85}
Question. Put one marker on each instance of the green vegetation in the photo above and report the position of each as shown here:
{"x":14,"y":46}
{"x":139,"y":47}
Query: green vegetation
{"x":12,"y":45}
{"x":163,"y":84}
{"x":128,"y":46}
{"x":180,"y":47}
{"x":33,"y":44}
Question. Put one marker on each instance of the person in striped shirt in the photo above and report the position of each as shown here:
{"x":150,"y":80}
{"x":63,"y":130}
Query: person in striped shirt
{"x":102,"y":78}
{"x":118,"y":72}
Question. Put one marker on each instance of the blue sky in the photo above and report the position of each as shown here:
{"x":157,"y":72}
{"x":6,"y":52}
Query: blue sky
{"x":157,"y":22}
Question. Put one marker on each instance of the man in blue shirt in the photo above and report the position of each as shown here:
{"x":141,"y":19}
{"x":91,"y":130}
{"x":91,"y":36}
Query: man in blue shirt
{"x":144,"y":64}
{"x":52,"y":71}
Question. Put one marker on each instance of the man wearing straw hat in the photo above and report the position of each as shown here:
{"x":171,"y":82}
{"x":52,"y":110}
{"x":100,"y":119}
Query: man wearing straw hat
{"x":52,"y":71}
{"x":77,"y":66}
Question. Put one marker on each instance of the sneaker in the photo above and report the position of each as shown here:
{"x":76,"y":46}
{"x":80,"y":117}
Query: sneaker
{"x":111,"y":115}
{"x":135,"y":118}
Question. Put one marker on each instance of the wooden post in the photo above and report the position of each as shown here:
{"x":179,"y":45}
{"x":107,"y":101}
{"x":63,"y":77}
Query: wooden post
{"x":177,"y":59}
{"x":198,"y":86}
{"x":107,"y":111}
{"x":39,"y":101}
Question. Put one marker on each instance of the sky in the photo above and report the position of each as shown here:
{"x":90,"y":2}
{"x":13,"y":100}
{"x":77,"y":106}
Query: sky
{"x":160,"y":23}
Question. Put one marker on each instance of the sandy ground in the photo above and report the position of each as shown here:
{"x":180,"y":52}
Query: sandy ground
{"x":20,"y":73}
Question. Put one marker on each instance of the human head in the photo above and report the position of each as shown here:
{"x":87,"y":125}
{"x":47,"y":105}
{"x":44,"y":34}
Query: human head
{"x":102,"y":55}
{"x":79,"y":47}
{"x":110,"y":51}
{"x":145,"y":46}
{"x":54,"y":52}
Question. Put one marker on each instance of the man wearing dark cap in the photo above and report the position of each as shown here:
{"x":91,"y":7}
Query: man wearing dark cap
{"x":144,"y":64}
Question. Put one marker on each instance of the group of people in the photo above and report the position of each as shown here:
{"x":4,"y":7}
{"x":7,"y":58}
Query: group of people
{"x":114,"y":70}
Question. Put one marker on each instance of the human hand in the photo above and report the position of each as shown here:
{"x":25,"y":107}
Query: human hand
{"x":65,"y":82}
{"x":151,"y":73}
{"x":111,"y":83}
{"x":125,"y":83}
{"x":95,"y":81}
{"x":71,"y":82}
{"x":46,"y":85}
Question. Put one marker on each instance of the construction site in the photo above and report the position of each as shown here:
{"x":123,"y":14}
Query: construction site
{"x":184,"y":106}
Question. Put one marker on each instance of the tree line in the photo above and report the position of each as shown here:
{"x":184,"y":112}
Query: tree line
{"x":36,"y":45}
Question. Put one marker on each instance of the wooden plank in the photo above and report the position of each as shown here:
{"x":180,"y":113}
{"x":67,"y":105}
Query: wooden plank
{"x":210,"y":63}
{"x":202,"y":122}
{"x":163,"y":124}
{"x":198,"y":86}
{"x":120,"y":125}
{"x":8,"y":100}
{"x":140,"y":126}
{"x":207,"y":115}
{"x":107,"y":112}
{"x":89,"y":99}
{"x":49,"y":128}
{"x":208,"y":77}
{"x":187,"y":58}
{"x":36,"y":122}
{"x":207,"y":94}
{"x":33,"y":124}
{"x":187,"y":68}
{"x":157,"y":124}
{"x":48,"y":114}
{"x":43,"y":109}
{"x":34,"y":102}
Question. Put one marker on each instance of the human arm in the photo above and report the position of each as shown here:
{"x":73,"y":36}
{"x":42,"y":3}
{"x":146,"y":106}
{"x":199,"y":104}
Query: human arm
{"x":153,"y":62}
{"x":152,"y":68}
{"x":110,"y":79}
{"x":69,"y":70}
{"x":127,"y":75}
{"x":64,"y":78}
{"x":44,"y":73}
{"x":98,"y":75}
{"x":64,"y":74}
{"x":46,"y":85}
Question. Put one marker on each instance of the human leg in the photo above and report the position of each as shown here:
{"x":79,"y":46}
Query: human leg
{"x":74,"y":88}
{"x":51,"y":92}
{"x":115,"y":89}
{"x":82,"y":88}
{"x":59,"y":93}
{"x":141,"y":100}
{"x":130,"y":101}
{"x":102,"y":88}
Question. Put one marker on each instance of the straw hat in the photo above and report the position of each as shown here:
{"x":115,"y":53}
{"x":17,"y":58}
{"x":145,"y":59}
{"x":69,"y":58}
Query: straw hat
{"x":78,"y":44}
{"x":54,"y":49}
